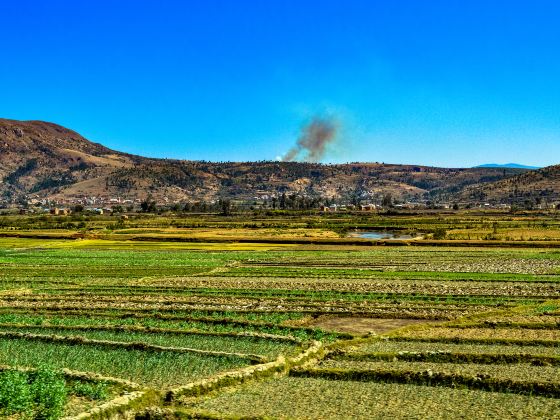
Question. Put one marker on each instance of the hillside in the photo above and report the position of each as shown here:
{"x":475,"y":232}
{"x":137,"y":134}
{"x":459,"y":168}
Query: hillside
{"x":44,"y":160}
{"x":530,"y":188}
{"x":370,"y":181}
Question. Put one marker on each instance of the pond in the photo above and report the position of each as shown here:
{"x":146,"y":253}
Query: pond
{"x":382,"y":234}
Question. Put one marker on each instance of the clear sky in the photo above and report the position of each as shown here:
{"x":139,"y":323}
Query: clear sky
{"x":445,"y":83}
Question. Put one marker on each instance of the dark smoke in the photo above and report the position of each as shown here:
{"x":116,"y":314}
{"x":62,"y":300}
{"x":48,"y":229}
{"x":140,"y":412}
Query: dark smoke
{"x":313,"y":141}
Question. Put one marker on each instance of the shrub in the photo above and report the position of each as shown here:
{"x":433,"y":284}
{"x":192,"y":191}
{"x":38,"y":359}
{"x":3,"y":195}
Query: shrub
{"x":42,"y":392}
{"x":439,"y":233}
{"x":15,"y":395}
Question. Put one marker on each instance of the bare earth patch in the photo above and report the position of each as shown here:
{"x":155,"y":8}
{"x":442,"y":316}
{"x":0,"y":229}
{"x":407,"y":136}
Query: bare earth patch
{"x":358,"y":325}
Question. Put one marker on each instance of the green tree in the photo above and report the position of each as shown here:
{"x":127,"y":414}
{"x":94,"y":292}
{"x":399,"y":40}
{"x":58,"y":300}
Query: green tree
{"x":387,"y":200}
{"x":148,"y":205}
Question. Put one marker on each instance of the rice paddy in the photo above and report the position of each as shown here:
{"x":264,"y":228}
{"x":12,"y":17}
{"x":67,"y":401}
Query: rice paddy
{"x":226,"y":329}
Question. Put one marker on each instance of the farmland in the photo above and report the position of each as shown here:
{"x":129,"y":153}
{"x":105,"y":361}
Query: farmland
{"x":217,"y":317}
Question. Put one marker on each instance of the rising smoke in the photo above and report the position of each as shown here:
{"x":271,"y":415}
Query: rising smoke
{"x":313,"y":140}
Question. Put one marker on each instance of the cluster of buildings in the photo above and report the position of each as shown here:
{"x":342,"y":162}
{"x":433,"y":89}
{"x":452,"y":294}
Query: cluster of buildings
{"x":333,"y":208}
{"x":63,"y":211}
{"x":263,"y":199}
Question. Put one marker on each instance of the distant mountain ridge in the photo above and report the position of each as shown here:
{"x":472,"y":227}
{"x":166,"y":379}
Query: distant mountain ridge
{"x":507,"y":165}
{"x":44,"y":160}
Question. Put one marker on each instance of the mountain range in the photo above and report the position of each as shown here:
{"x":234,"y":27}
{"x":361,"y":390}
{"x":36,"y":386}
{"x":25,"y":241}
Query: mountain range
{"x":44,"y":160}
{"x":507,"y":165}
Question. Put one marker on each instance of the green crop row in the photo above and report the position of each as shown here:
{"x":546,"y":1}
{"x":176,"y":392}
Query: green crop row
{"x":175,"y":312}
{"x":150,"y":330}
{"x":308,"y":295}
{"x":155,"y":369}
{"x":202,"y":323}
{"x":247,"y":349}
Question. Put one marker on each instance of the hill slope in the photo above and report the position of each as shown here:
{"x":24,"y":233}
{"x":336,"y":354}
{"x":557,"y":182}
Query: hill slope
{"x":41,"y":157}
{"x":530,"y":188}
{"x":49,"y":161}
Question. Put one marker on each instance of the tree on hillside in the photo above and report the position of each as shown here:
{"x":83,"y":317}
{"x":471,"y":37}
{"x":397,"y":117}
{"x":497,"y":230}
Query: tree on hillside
{"x":225,"y":207}
{"x":387,"y":200}
{"x":148,"y":205}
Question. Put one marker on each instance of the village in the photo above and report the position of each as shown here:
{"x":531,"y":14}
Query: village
{"x":113,"y":205}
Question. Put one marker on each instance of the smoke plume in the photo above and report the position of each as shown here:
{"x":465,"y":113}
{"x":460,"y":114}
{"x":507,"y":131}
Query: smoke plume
{"x":313,"y":141}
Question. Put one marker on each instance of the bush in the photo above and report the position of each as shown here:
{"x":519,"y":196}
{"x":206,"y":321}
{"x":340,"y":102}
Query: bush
{"x":15,"y":394}
{"x":42,"y":392}
{"x":439,"y":233}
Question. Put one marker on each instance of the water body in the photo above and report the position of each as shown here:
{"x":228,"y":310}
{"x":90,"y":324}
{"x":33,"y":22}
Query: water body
{"x":381,"y":234}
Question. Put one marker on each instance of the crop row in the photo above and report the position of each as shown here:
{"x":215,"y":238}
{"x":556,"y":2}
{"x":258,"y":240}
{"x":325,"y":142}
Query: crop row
{"x":395,"y":346}
{"x":484,"y":333}
{"x":155,"y":369}
{"x":109,"y":275}
{"x":229,"y":303}
{"x":483,"y":261}
{"x":80,"y":340}
{"x":230,"y":322}
{"x":427,"y":312}
{"x":523,"y":319}
{"x":239,"y":318}
{"x":450,"y":357}
{"x":196,"y":342}
{"x":400,"y":283}
{"x":107,"y":271}
{"x":249,"y":300}
{"x":153,"y":330}
{"x":293,"y":272}
{"x":471,"y":379}
{"x":310,"y":287}
{"x":503,"y":324}
{"x":520,"y":372}
{"x":507,"y":341}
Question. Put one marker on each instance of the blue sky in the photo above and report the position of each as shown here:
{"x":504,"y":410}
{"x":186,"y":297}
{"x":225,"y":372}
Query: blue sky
{"x":444,"y":83}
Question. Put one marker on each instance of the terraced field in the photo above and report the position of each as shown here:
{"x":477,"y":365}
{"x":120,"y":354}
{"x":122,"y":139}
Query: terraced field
{"x":226,"y":330}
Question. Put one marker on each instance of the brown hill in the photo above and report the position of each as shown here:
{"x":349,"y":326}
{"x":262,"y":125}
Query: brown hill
{"x":41,"y":157}
{"x":528,"y":189}
{"x":49,"y":161}
{"x":370,"y":181}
